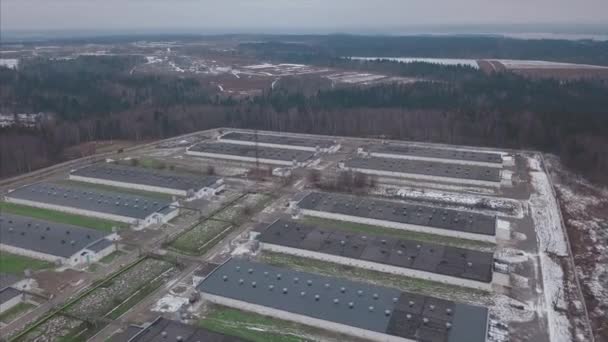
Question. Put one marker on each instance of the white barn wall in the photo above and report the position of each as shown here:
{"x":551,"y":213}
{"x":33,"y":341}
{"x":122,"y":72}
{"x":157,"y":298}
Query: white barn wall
{"x":408,"y":272}
{"x":9,"y":304}
{"x":252,"y":160}
{"x":32,"y":254}
{"x":290,"y":147}
{"x":150,"y":188}
{"x":398,"y":225}
{"x":139,"y":224}
{"x":71,"y":210}
{"x":440,"y":160}
{"x":306,"y":320}
{"x":425,"y":177}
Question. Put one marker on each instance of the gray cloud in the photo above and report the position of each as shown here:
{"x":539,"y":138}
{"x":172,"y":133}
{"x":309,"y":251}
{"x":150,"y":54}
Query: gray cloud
{"x":239,"y":15}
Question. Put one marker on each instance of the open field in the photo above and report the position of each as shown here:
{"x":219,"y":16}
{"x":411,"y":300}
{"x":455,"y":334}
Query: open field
{"x":199,"y":239}
{"x":398,"y":233}
{"x":258,"y":328}
{"x":15,"y":312}
{"x":195,"y":239}
{"x":109,"y":299}
{"x":56,"y":216}
{"x":16,"y":264}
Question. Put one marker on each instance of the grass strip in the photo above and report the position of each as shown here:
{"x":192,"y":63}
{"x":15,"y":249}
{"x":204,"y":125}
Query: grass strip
{"x":60,"y":217}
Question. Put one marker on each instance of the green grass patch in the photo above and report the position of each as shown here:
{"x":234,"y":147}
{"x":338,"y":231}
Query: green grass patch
{"x":15,"y":312}
{"x":16,"y":264}
{"x":398,"y":233}
{"x":103,"y":187}
{"x":59,"y":217}
{"x":111,"y":257}
{"x":142,"y":293}
{"x":403,"y":283}
{"x":193,"y":241}
{"x":249,"y":326}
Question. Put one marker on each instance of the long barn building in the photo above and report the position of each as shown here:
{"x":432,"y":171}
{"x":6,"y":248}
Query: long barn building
{"x":172,"y":183}
{"x":284,"y":141}
{"x":352,"y":308}
{"x":249,"y":153}
{"x":400,"y":215}
{"x":437,"y":154}
{"x":55,"y":242}
{"x":428,"y":170}
{"x":445,"y":264}
{"x":140,"y":211}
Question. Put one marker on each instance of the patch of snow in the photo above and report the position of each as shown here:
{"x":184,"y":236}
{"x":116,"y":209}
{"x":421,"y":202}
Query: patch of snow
{"x":169,"y":303}
{"x":512,"y":310}
{"x":551,"y":242}
{"x":10,"y":63}
{"x":532,"y":64}
{"x":259,"y":66}
{"x":507,"y":206}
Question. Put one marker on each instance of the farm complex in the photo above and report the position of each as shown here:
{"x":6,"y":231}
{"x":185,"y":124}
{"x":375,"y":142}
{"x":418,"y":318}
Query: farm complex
{"x":238,"y":235}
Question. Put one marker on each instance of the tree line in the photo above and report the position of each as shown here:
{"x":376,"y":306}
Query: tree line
{"x":501,"y":110}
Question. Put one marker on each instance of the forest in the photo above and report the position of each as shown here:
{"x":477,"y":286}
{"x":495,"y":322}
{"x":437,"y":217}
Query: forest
{"x":95,"y":98}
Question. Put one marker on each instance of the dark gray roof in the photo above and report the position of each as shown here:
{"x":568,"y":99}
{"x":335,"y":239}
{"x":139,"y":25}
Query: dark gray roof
{"x":88,"y":198}
{"x":8,"y":279}
{"x":99,"y":245}
{"x":427,"y":168}
{"x":341,"y":301}
{"x":279,"y":139}
{"x":431,"y":152}
{"x":445,"y":260}
{"x":163,"y":330}
{"x":146,"y":176}
{"x":57,"y":239}
{"x":8,"y":293}
{"x":127,"y":334}
{"x":400,"y":212}
{"x":249,"y":151}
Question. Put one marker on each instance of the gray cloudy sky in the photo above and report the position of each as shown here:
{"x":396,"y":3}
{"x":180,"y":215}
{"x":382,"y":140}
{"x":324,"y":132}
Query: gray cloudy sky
{"x":301,"y":14}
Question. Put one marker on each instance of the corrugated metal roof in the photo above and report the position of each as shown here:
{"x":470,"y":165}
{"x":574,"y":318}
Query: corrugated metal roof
{"x":164,"y":330}
{"x":400,"y":212}
{"x":433,"y":152}
{"x":279,"y":139}
{"x":341,"y":301}
{"x":47,"y":237}
{"x":445,"y":260}
{"x":427,"y":168}
{"x":8,"y":293}
{"x":88,"y":198}
{"x":146,"y":176}
{"x":8,"y":279}
{"x":249,"y":151}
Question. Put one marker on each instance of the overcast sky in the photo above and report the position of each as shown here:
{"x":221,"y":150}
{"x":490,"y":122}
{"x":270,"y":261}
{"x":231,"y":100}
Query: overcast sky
{"x":331,"y":15}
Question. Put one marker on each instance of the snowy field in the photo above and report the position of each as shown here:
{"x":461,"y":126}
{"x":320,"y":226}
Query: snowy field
{"x":10,"y":63}
{"x":528,"y":64}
